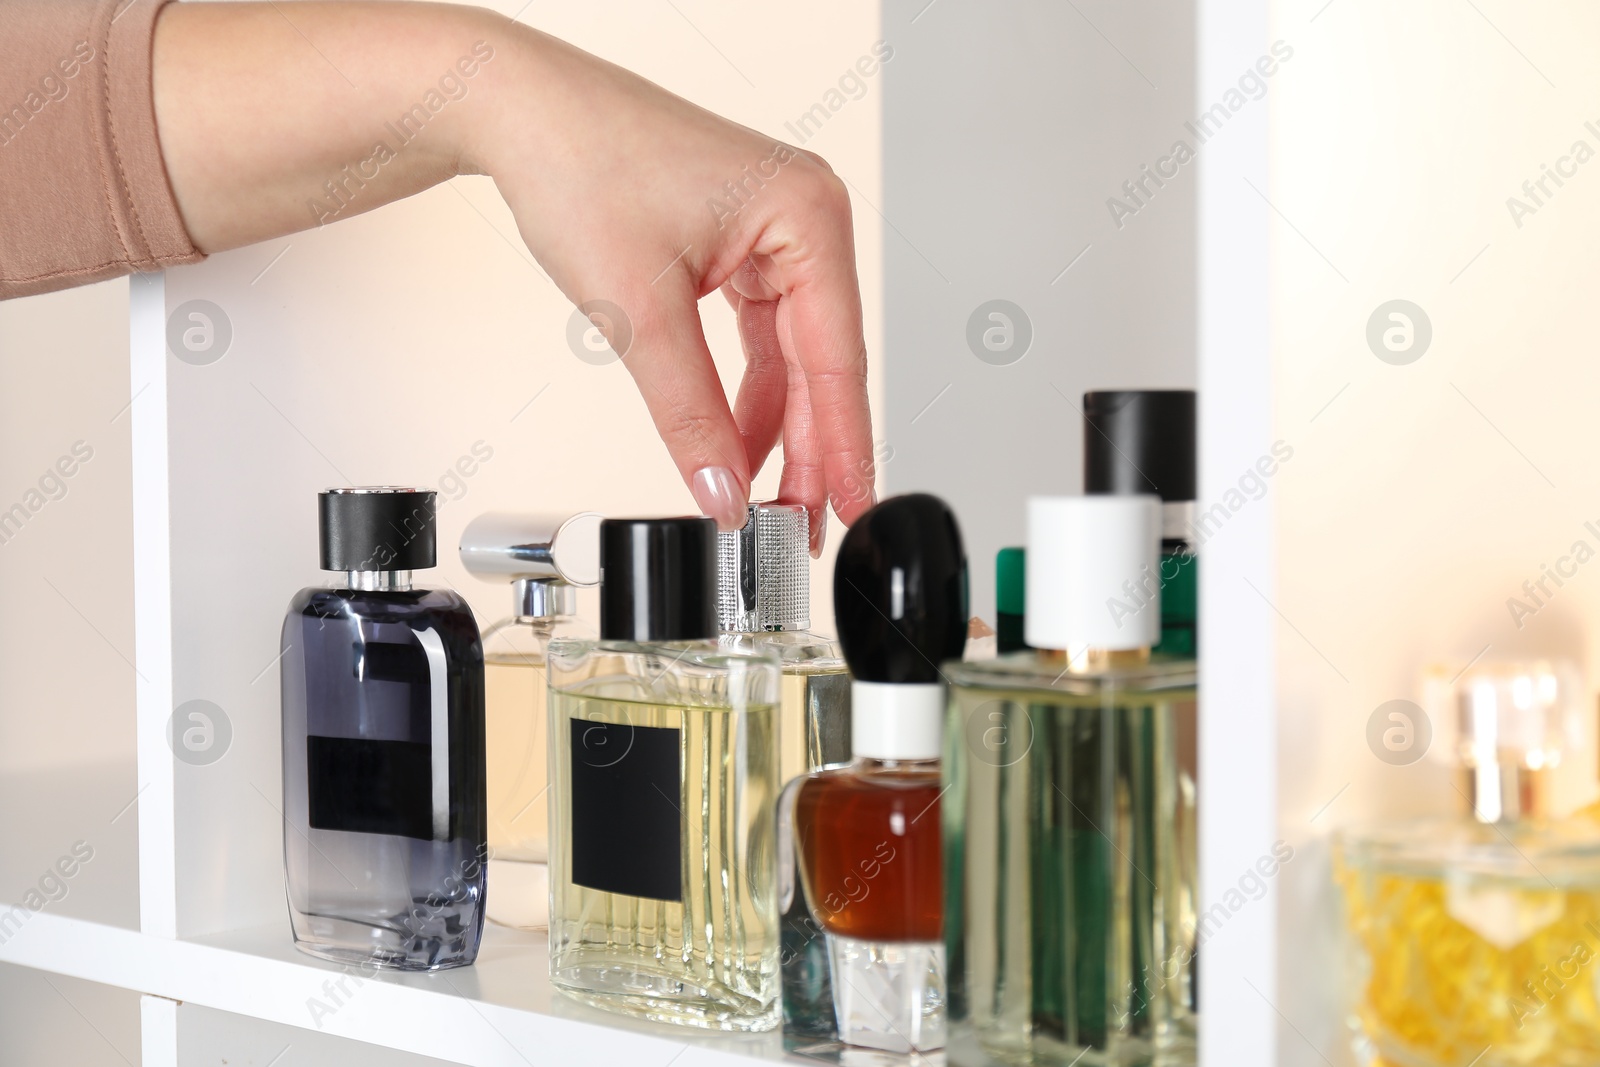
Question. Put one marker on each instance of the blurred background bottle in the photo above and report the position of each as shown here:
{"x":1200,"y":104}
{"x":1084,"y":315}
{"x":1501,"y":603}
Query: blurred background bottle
{"x":543,"y":558}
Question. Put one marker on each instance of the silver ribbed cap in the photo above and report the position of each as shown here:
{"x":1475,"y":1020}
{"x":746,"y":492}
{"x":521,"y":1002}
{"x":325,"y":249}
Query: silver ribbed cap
{"x":764,"y":571}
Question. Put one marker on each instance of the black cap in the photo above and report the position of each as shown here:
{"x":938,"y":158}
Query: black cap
{"x":658,"y":579}
{"x":377,"y":528}
{"x":900,"y":591}
{"x":1139,"y":441}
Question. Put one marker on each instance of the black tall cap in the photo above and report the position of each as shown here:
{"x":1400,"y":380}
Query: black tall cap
{"x":900,"y":591}
{"x":1139,"y":441}
{"x":658,"y":579}
{"x":377,"y":528}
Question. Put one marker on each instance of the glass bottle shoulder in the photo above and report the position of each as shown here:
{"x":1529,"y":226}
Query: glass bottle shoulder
{"x":1564,"y":853}
{"x":1034,"y":669}
{"x":870,"y":775}
{"x":797,"y":651}
{"x":382,"y":605}
{"x":678,"y":673}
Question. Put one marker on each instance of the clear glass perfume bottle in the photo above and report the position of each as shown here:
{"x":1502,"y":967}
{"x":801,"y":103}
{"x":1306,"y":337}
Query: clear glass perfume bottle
{"x":1476,"y":939}
{"x":867,"y":835}
{"x":1070,"y":918}
{"x":543,"y":557}
{"x":383,"y":760}
{"x":764,"y":604}
{"x":664,"y":779}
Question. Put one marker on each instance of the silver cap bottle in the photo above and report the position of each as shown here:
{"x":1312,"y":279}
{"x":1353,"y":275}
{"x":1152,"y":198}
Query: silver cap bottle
{"x":542,"y":556}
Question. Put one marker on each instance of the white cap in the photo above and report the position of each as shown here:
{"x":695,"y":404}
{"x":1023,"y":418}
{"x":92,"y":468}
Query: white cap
{"x":1094,"y":577}
{"x":897,"y":720}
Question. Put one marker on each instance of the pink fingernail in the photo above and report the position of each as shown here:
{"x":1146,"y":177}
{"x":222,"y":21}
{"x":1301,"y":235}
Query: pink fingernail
{"x":720,"y":496}
{"x":819,"y":531}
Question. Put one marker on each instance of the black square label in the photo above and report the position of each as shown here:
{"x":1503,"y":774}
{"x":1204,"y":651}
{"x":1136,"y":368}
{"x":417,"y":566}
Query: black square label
{"x":363,"y":786}
{"x":627,"y":830}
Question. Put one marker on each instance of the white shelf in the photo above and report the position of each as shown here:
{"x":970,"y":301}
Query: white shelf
{"x":500,"y":1013}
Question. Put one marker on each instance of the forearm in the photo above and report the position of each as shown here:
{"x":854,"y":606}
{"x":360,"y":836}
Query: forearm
{"x":276,"y":118}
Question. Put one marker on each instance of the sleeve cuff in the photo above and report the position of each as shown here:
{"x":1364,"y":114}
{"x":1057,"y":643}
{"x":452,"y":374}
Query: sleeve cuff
{"x":142,"y":203}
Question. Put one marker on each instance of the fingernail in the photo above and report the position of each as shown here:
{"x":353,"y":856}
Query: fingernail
{"x":819,"y":531}
{"x":719,"y":495}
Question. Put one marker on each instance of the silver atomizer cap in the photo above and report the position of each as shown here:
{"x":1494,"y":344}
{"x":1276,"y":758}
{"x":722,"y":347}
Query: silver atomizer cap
{"x":764,"y":571}
{"x":542,"y":556}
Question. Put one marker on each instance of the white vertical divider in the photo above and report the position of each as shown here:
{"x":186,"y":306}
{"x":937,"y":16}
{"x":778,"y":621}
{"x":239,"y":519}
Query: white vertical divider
{"x":1238,"y":732}
{"x":158,"y":1032}
{"x":152,"y":604}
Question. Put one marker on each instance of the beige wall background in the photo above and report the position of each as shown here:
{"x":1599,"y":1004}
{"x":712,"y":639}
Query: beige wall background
{"x":1420,"y":497}
{"x":66,"y":636}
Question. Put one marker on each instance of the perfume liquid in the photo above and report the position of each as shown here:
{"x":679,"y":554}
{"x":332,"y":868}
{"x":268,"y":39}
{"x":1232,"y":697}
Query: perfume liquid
{"x":870,"y":838}
{"x":665,"y":900}
{"x":519,"y":822}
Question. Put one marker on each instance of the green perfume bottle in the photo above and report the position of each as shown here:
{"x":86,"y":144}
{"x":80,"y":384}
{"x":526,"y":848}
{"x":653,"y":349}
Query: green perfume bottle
{"x":1069,"y":837}
{"x":1142,"y":441}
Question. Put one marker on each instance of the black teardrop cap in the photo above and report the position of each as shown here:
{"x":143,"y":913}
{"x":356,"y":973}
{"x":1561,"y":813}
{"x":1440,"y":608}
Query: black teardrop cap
{"x":378,"y":528}
{"x":900,"y":591}
{"x":658,"y":579}
{"x":1139,"y":441}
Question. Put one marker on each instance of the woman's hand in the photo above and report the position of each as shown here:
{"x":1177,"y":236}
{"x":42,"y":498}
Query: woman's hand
{"x":632,"y":199}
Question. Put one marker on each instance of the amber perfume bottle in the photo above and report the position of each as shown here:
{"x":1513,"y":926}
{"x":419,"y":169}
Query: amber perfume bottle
{"x":383,"y":760}
{"x":867,"y":835}
{"x":1070,"y":882}
{"x":544,"y":558}
{"x":663,"y":786}
{"x":1476,"y":938}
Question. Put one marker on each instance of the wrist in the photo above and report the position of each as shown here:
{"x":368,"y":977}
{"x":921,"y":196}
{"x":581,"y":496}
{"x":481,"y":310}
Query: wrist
{"x":497,"y":112}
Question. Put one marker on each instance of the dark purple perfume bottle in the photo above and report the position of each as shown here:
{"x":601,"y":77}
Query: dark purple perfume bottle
{"x":383,"y":746}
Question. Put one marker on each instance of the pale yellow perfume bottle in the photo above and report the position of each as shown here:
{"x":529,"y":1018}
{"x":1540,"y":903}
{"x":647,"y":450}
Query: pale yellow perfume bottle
{"x":1476,"y":939}
{"x":542,"y":557}
{"x":764,"y":605}
{"x":664,"y":782}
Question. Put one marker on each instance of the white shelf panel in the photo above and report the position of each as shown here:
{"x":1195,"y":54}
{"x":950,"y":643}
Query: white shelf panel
{"x":209,"y":1038}
{"x":500,"y":1013}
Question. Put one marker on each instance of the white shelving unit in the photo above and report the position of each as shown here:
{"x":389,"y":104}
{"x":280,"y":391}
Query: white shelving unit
{"x":385,"y":348}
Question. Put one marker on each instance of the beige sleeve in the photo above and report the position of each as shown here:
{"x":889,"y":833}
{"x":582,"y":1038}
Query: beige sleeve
{"x":83,"y":191}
